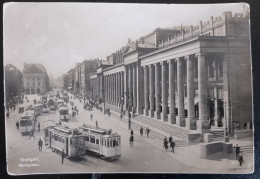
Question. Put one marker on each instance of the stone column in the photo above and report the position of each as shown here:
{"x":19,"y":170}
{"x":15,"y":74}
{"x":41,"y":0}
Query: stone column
{"x":146,"y":90}
{"x":122,"y":89}
{"x":157,"y":91}
{"x":164,"y":115}
{"x":181,"y":116}
{"x":113,"y":88}
{"x":130,"y":94}
{"x":140,"y":88}
{"x":119,"y":88}
{"x":191,"y":122}
{"x":216,"y":106}
{"x":126,"y":88}
{"x":172,"y":115}
{"x":115,"y":82}
{"x":110,"y":89}
{"x":202,"y":123}
{"x":151,"y":97}
{"x":134,"y":87}
{"x":116,"y":89}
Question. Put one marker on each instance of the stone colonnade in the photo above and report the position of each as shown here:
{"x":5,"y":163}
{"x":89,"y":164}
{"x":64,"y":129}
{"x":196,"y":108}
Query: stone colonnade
{"x":114,"y":88}
{"x":164,"y":82}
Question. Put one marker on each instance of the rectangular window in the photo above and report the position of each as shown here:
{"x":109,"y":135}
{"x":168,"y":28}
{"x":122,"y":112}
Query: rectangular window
{"x":107,"y":142}
{"x":92,"y":139}
{"x":97,"y":141}
{"x":86,"y":138}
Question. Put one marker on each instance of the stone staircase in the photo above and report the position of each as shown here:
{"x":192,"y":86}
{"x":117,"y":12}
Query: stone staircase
{"x":156,"y":135}
{"x":245,"y":149}
{"x":165,"y":127}
{"x":219,"y":135}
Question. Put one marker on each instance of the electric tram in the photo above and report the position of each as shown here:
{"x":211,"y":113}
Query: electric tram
{"x":60,"y":138}
{"x":102,"y":142}
{"x":27,"y":122}
{"x":64,"y":113}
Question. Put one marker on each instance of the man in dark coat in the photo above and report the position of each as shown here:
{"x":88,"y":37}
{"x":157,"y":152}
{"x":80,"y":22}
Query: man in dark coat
{"x":40,"y":143}
{"x":240,"y":158}
{"x":147,"y":132}
{"x":17,"y":125}
{"x":62,"y":156}
{"x":39,"y":127}
{"x":165,"y":143}
{"x":170,"y":139}
{"x":237,"y":150}
{"x":132,"y":132}
{"x":91,"y":116}
{"x":141,"y":131}
{"x":172,"y":145}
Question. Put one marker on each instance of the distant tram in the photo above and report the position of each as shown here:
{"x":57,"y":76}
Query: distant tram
{"x":64,"y":113}
{"x":102,"y":142}
{"x":27,"y":122}
{"x":60,"y":138}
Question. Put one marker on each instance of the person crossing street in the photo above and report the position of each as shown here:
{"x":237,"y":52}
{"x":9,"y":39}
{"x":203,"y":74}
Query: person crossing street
{"x":17,"y":125}
{"x":40,"y":143}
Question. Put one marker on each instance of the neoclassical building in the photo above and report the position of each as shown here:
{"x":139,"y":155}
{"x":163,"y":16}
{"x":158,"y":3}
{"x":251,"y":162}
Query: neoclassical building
{"x":193,"y":77}
{"x":35,"y":78}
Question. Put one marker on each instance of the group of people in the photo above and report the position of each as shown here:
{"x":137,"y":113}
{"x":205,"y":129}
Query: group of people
{"x":171,"y":143}
{"x":239,"y":155}
{"x":142,"y":131}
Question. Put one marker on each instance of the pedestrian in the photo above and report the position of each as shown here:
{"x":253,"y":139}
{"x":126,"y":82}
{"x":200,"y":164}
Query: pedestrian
{"x":39,"y":127}
{"x":129,"y":115}
{"x":17,"y":125}
{"x":121,"y":116}
{"x":237,"y":150}
{"x":77,"y":111}
{"x":165,"y":143}
{"x":131,"y":139}
{"x":147,"y":131}
{"x":62,"y":156}
{"x":91,"y":116}
{"x":240,"y":159}
{"x":172,"y":145}
{"x":141,"y":131}
{"x":129,"y":124}
{"x":132,"y":132}
{"x":170,"y":139}
{"x":40,"y":143}
{"x":96,"y":123}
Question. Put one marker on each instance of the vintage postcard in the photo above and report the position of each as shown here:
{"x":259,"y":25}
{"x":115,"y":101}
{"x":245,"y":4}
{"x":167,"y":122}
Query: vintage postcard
{"x":128,"y":88}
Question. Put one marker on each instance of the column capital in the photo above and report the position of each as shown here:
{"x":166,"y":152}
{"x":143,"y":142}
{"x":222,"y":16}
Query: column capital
{"x":178,"y":60}
{"x":145,"y":67}
{"x":187,"y":58}
{"x":162,"y":63}
{"x":200,"y":55}
{"x":171,"y":61}
{"x":150,"y":65}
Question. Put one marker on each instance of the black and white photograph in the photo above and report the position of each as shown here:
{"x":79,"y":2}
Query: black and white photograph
{"x":127,"y":88}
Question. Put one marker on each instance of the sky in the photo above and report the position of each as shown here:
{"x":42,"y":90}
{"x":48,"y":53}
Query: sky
{"x":59,"y":35}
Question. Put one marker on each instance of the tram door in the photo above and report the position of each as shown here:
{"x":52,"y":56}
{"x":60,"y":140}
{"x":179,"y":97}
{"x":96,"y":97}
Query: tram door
{"x":50,"y":137}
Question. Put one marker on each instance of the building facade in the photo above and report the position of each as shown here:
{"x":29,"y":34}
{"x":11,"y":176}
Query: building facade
{"x":35,"y":78}
{"x":187,"y":77}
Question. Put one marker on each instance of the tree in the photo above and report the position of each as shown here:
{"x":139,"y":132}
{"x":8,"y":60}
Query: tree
{"x":13,"y":82}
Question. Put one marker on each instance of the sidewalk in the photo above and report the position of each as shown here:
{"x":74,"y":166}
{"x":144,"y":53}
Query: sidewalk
{"x":190,"y":155}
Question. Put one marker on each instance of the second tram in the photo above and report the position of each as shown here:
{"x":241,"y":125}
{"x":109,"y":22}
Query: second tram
{"x":101,"y":142}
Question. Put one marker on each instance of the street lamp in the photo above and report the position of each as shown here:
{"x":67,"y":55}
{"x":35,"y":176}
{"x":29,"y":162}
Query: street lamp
{"x":226,"y":138}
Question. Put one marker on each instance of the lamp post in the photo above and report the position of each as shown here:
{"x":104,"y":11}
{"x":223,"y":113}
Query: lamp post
{"x":226,"y":137}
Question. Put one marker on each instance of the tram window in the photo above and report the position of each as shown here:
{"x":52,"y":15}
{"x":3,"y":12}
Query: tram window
{"x":97,"y":141}
{"x":107,"y":142}
{"x":55,"y":137}
{"x":92,"y":139}
{"x":102,"y":141}
{"x":86,"y":138}
{"x":111,"y":142}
